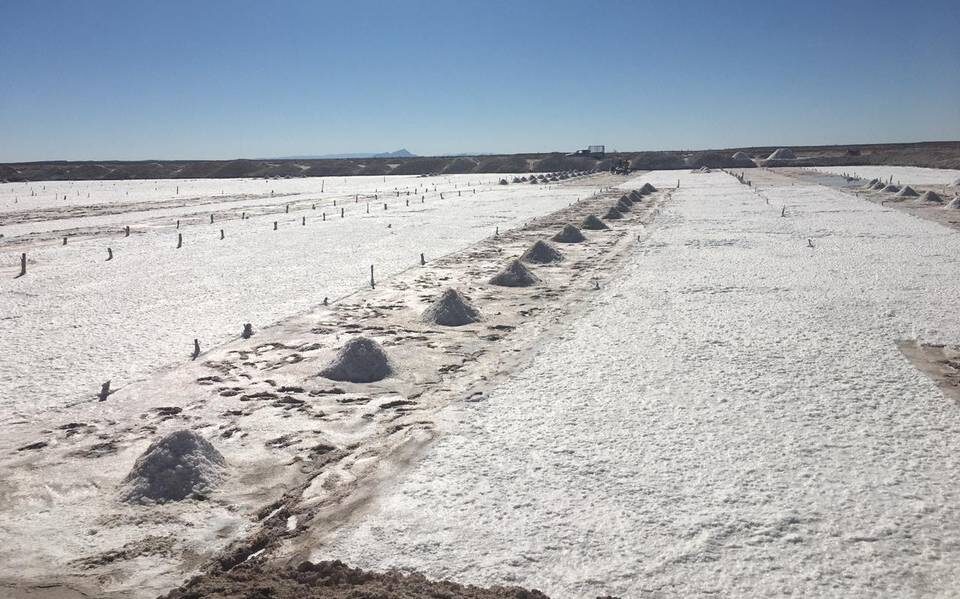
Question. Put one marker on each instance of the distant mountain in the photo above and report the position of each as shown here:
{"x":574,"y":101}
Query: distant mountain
{"x":401,"y":153}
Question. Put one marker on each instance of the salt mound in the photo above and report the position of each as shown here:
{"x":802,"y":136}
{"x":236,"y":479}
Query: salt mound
{"x":626,"y":200}
{"x":514,"y":275}
{"x":569,"y":234}
{"x":954,"y":204}
{"x":175,"y":467}
{"x":930,"y":197}
{"x":647,"y":188}
{"x":592,"y":223}
{"x":891,"y":189}
{"x":636,"y":196}
{"x":360,"y":360}
{"x":451,"y":310}
{"x":879,"y":185}
{"x":541,"y":252}
{"x":741,"y":156}
{"x":907,"y":192}
{"x":624,"y":206}
{"x":869,"y":184}
{"x":613,"y":214}
{"x":782,"y":154}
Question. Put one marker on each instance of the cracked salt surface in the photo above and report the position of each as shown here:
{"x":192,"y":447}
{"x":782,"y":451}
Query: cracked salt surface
{"x":726,"y":418}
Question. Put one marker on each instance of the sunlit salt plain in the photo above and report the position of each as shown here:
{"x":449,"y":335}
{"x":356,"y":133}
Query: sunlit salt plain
{"x":906,"y":175}
{"x":730,"y":416}
{"x":77,"y":320}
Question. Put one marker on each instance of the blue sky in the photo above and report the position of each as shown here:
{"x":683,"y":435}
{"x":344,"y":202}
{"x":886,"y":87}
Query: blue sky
{"x":104,"y":79}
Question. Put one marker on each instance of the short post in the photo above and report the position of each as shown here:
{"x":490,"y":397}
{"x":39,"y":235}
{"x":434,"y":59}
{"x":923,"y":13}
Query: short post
{"x":422,"y":260}
{"x":288,"y":208}
{"x":211,"y":219}
{"x":372,"y":282}
{"x":324,"y":216}
{"x":303,"y":220}
{"x":196,"y":348}
{"x":179,"y":240}
{"x":109,"y":254}
{"x":178,"y":223}
{"x":384,"y":205}
{"x":247,"y":331}
{"x":243,"y":216}
{"x":104,"y":391}
{"x":23,"y":264}
{"x":274,"y":225}
{"x":783,"y":211}
{"x":126,"y":231}
{"x":221,"y":233}
{"x":368,"y":207}
{"x":64,"y":241}
{"x":341,"y":213}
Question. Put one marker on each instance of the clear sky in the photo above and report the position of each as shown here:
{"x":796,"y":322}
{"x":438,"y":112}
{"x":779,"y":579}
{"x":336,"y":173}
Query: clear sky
{"x":128,"y":79}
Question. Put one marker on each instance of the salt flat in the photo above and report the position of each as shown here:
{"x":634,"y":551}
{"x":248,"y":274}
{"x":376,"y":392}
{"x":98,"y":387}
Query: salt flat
{"x":76,"y":320}
{"x":731,"y":416}
{"x":906,"y":175}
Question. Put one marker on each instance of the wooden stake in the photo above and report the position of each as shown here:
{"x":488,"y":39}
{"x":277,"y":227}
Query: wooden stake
{"x":109,"y":254}
{"x":221,"y":233}
{"x":274,"y":225}
{"x":196,"y":348}
{"x":422,"y":261}
{"x":104,"y":391}
{"x":23,"y":265}
{"x":179,"y":240}
{"x":126,"y":231}
{"x":372,"y":283}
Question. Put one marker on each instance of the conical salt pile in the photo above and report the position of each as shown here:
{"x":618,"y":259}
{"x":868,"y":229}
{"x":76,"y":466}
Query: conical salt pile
{"x":636,"y":196}
{"x":742,"y":156}
{"x":514,"y":275}
{"x":929,"y":197}
{"x":624,"y":206}
{"x":869,"y":184}
{"x":175,"y":467}
{"x":569,"y":234}
{"x":907,"y":192}
{"x":782,"y":154}
{"x":451,"y":310}
{"x":613,"y":214}
{"x":626,"y":200}
{"x":647,"y":188}
{"x":592,"y":223}
{"x":541,"y":252}
{"x":360,"y":360}
{"x":879,"y":185}
{"x":891,"y":189}
{"x":954,"y":204}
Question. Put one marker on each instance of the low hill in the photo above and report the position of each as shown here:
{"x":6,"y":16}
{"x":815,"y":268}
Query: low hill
{"x":936,"y":154}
